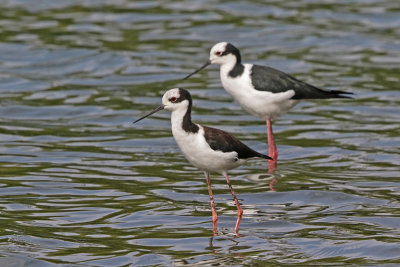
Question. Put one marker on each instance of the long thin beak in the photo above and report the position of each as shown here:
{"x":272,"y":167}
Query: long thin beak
{"x":199,"y":69}
{"x":154,"y":111}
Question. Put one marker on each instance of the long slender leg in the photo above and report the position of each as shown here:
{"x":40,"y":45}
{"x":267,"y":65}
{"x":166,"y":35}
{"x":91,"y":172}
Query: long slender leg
{"x":272,"y":151}
{"x":239,"y":209}
{"x":213,"y":210}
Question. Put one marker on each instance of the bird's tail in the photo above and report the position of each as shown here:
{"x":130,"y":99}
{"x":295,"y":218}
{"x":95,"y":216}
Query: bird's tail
{"x":264,"y":156}
{"x":339,"y":94}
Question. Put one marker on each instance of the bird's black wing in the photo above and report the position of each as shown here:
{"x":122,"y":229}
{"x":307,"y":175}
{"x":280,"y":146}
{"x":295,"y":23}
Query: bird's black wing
{"x":222,"y":141}
{"x":272,"y":80}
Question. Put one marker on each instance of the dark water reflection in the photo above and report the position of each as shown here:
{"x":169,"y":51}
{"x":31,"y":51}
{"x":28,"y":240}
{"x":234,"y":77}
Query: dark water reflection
{"x":81,"y":185}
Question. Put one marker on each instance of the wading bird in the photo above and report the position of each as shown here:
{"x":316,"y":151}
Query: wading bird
{"x":261,"y":90}
{"x":209,"y":149}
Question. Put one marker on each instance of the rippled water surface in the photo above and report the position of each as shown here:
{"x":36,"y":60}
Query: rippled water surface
{"x":80,"y":185}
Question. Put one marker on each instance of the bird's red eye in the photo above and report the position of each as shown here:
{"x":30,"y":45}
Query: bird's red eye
{"x":218,"y":53}
{"x":172,"y":99}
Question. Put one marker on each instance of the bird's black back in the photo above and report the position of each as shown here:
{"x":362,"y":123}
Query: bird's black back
{"x":272,"y":80}
{"x":222,"y":141}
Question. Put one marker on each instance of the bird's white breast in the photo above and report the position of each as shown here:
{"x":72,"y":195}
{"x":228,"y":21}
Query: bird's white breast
{"x":262,"y":104}
{"x":197,"y":151}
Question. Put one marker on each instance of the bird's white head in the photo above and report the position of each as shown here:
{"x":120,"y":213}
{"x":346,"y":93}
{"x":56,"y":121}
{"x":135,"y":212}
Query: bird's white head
{"x":223,"y":53}
{"x":176,"y":98}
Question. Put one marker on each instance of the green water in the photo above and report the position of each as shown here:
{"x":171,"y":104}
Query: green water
{"x":81,"y":186}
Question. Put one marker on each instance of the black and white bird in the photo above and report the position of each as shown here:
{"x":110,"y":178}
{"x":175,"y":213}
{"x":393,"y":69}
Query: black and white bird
{"x":261,"y":90}
{"x":209,"y":149}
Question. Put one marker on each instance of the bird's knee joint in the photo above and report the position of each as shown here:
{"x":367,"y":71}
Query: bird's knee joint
{"x":240,"y":212}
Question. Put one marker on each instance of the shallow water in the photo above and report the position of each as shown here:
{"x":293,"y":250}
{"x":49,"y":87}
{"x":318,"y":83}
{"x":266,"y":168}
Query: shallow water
{"x":81,"y":185}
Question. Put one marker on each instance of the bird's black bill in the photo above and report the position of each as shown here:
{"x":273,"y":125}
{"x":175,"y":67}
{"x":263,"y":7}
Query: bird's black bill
{"x":199,"y":69}
{"x":154,"y":111}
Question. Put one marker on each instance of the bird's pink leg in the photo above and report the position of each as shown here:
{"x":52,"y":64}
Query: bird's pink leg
{"x":213,"y":210}
{"x":272,"y":151}
{"x":272,"y":184}
{"x":239,"y":209}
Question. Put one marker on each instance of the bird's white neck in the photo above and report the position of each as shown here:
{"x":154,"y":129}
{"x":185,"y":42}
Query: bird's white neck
{"x":177,"y":118}
{"x":181,"y":122}
{"x":227,"y":67}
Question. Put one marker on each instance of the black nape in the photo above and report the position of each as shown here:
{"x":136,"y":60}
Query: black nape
{"x":187,"y":124}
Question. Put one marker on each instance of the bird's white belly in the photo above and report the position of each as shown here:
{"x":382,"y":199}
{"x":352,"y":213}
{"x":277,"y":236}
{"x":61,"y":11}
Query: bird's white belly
{"x":262,"y":104}
{"x":199,"y":153}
